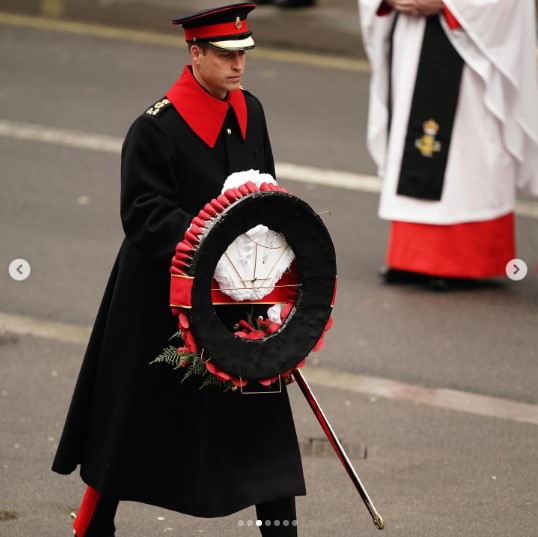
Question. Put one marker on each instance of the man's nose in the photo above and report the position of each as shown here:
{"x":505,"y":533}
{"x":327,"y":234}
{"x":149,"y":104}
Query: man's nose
{"x":237,"y":63}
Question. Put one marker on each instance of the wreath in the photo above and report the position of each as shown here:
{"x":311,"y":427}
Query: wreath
{"x":256,"y":243}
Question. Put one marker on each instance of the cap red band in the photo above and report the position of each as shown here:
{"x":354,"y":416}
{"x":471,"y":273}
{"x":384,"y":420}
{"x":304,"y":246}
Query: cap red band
{"x":238,"y":27}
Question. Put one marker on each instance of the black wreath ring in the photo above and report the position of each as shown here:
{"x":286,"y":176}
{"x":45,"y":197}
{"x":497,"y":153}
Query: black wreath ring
{"x":306,"y":234}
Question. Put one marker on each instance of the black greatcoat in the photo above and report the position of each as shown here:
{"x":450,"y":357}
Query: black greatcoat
{"x":137,"y":432}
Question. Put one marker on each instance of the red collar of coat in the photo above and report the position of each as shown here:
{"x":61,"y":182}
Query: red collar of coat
{"x":204,"y":113}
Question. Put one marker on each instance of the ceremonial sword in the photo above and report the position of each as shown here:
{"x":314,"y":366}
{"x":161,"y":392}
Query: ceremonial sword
{"x":333,"y":439}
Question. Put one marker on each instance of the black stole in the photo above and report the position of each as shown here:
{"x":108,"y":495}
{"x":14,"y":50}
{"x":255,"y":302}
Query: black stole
{"x":431,"y":118}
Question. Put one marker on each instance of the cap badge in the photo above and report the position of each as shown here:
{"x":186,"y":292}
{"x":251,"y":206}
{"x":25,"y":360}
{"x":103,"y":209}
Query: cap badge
{"x":238,"y":23}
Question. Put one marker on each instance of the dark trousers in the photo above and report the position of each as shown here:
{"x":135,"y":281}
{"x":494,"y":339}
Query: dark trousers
{"x":101,"y":523}
{"x":278,"y":518}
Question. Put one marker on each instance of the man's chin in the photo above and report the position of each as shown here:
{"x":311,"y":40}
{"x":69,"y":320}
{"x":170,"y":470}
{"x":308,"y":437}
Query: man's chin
{"x":233,"y":85}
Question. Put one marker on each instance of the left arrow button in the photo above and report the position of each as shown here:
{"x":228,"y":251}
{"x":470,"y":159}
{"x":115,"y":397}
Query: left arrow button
{"x":19,"y":269}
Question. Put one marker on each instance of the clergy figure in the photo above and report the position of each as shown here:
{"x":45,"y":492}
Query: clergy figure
{"x":453,"y":129}
{"x":137,"y":432}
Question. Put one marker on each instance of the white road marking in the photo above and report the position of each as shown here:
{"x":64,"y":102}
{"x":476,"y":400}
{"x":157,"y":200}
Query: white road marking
{"x":155,"y":38}
{"x":324,"y":177}
{"x":470,"y":403}
{"x":291,"y":172}
{"x":64,"y":137}
{"x":23,"y":325}
{"x":447,"y":399}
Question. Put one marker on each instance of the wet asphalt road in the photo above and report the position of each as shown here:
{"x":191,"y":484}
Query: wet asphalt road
{"x":431,"y":471}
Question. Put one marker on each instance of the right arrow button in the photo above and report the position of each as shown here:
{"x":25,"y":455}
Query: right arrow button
{"x":516,"y":269}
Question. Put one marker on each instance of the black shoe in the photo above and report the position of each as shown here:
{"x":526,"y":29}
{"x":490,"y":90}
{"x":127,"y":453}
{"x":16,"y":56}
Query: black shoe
{"x":438,"y":283}
{"x":294,"y":3}
{"x":442,"y":284}
{"x":391,"y":275}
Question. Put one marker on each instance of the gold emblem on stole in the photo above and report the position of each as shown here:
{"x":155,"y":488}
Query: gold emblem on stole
{"x":427,"y":144}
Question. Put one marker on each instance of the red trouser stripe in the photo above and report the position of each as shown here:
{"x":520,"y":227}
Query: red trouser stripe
{"x":86,"y":511}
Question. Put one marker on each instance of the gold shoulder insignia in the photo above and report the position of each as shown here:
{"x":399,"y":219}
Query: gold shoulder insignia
{"x":157,"y":107}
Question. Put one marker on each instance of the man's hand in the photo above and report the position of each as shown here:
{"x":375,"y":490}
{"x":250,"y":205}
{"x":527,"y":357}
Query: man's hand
{"x":289,"y":379}
{"x":416,"y":8}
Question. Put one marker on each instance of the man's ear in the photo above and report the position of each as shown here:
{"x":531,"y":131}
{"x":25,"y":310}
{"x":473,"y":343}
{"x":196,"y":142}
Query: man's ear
{"x":195,"y":52}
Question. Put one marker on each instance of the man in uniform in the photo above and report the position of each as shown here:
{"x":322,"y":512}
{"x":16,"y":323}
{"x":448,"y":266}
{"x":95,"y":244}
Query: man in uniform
{"x":136,"y":431}
{"x":453,"y":129}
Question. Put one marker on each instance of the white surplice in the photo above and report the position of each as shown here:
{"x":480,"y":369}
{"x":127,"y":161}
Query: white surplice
{"x":494,"y":145}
